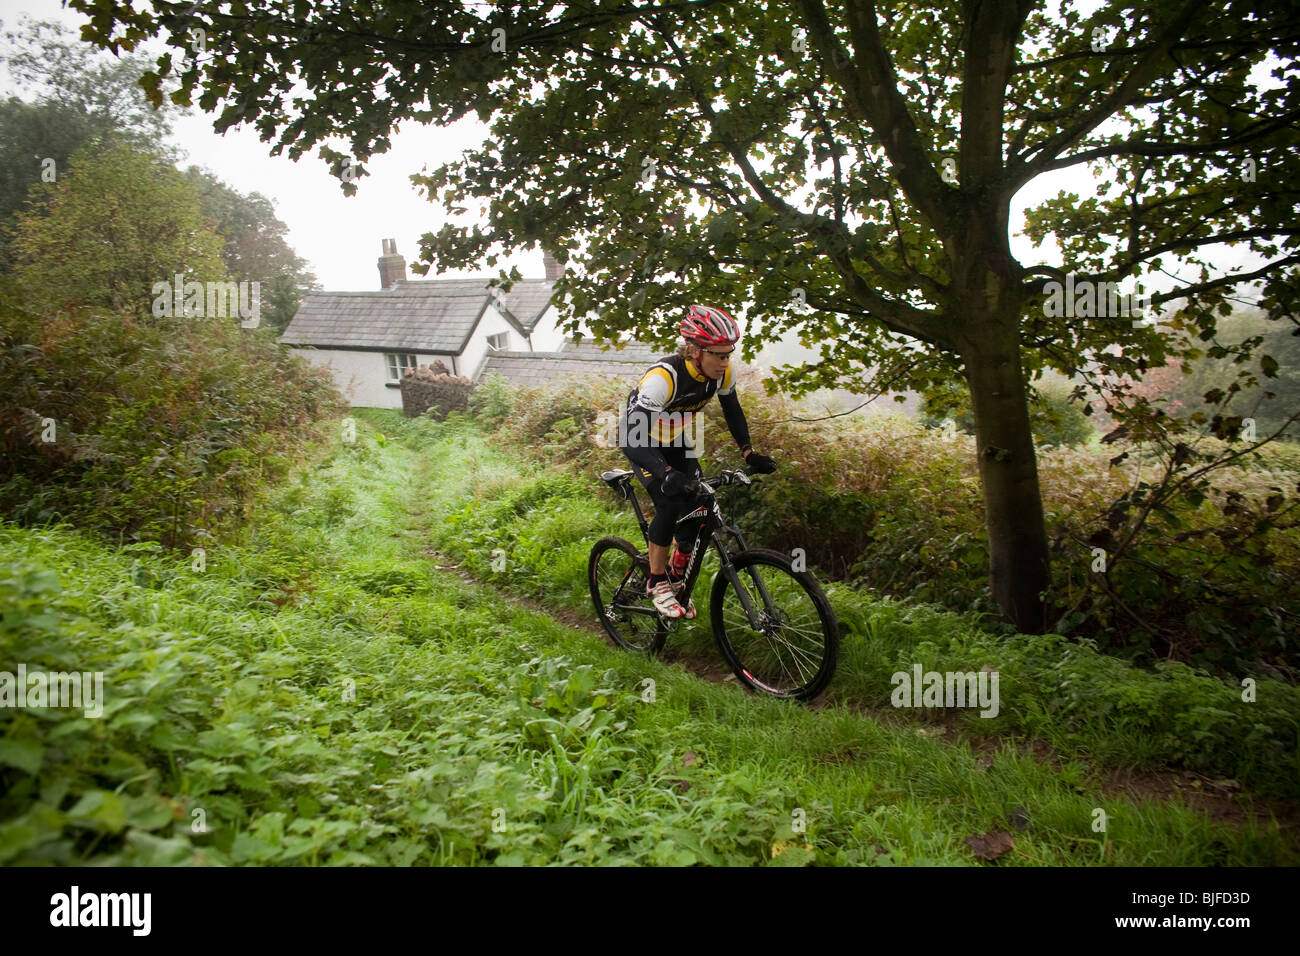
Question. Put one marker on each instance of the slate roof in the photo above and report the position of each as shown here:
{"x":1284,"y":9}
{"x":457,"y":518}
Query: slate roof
{"x":433,"y":315}
{"x":539,"y":368}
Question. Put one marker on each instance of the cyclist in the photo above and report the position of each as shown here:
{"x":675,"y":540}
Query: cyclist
{"x":654,"y":434}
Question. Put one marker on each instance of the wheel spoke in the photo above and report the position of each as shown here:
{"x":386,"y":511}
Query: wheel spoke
{"x":795,"y":650}
{"x":790,"y":651}
{"x":617,"y":585}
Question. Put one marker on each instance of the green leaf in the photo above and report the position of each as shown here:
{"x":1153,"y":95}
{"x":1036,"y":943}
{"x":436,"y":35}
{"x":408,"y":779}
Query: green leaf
{"x":23,"y":754}
{"x":157,"y":851}
{"x":103,"y":808}
{"x":16,"y":837}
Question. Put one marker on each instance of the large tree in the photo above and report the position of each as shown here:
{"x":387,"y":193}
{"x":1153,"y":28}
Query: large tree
{"x":114,"y":224}
{"x":83,"y":97}
{"x":859,"y":157}
{"x":76,"y":95}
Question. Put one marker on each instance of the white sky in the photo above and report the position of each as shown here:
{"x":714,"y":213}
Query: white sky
{"x":337,"y":234}
{"x":340,"y":236}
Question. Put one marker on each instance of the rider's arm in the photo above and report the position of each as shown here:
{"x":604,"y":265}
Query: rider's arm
{"x":732,"y":411}
{"x":648,"y":457}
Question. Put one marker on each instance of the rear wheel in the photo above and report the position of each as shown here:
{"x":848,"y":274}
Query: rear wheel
{"x":617,"y":573}
{"x":794,"y":650}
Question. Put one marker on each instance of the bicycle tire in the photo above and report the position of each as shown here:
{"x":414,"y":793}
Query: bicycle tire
{"x":771,"y":662}
{"x":616,"y":563}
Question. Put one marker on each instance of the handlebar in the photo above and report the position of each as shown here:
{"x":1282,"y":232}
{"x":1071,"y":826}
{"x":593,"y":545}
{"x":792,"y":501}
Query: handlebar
{"x":731,"y":476}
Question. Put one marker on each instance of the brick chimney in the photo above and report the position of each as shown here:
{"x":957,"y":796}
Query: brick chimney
{"x":392,"y":267}
{"x":553,"y":269}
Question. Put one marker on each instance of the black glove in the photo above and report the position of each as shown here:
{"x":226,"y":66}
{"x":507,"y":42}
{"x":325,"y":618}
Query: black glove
{"x":677,"y":483}
{"x":760,"y":464}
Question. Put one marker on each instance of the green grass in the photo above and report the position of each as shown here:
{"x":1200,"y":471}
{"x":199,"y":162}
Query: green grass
{"x":1065,"y":693}
{"x":320,"y":694}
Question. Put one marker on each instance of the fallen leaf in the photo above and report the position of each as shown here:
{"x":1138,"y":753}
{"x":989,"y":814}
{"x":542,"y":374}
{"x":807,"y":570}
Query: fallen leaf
{"x":991,"y":845}
{"x":689,"y":758}
{"x":1020,"y":819}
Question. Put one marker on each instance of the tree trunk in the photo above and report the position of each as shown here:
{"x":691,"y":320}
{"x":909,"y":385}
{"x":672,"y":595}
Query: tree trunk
{"x":1013,"y":506}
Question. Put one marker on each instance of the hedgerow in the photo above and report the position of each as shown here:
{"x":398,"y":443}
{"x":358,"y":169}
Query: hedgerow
{"x":891,"y":506}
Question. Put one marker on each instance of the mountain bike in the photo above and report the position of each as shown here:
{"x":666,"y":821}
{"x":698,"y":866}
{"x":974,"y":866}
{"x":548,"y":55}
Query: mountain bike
{"x":773,"y":624}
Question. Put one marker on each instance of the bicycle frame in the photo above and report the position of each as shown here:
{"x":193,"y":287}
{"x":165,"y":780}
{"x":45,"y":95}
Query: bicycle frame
{"x":711,"y":526}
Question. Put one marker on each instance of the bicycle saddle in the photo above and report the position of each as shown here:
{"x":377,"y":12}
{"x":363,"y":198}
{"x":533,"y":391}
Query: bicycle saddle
{"x":612,"y":478}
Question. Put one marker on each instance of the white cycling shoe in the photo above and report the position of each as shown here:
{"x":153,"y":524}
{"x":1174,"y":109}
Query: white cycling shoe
{"x":665,"y":601}
{"x":678,"y":587}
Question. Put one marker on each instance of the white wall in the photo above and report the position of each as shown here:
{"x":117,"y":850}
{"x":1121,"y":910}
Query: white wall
{"x":468,"y":362}
{"x":362,"y":376}
{"x":547,"y":337}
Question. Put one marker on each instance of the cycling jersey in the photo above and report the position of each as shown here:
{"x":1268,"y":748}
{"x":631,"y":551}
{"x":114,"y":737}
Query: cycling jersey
{"x":661,"y":410}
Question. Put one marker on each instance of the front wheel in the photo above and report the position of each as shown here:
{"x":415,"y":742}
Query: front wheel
{"x":617,"y":573}
{"x":796,"y":645}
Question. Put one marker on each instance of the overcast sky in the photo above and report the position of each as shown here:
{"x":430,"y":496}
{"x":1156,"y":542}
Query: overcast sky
{"x":340,"y":235}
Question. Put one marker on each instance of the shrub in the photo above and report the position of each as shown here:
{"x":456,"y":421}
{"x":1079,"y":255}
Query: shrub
{"x":490,"y":402}
{"x":161,"y":429}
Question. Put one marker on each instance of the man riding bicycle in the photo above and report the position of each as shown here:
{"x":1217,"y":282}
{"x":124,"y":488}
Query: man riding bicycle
{"x":654,"y":434}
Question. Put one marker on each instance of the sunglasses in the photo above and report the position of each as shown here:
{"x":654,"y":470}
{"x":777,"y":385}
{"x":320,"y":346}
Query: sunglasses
{"x":720,"y":355}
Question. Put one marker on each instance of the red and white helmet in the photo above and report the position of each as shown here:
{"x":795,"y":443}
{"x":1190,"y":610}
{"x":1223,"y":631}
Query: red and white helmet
{"x":704,"y":325}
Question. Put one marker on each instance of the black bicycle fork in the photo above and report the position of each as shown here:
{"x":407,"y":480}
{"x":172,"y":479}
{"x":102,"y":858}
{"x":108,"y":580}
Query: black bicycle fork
{"x":714,"y":526}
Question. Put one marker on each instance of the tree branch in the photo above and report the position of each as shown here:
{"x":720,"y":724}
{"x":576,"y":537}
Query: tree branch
{"x":871,"y":96}
{"x":1143,"y":148}
{"x":989,"y":47}
{"x":830,"y":236}
{"x":1229,"y":280}
{"x":1023,"y":171}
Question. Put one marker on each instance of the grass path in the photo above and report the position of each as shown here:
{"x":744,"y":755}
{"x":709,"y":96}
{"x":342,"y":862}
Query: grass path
{"x":319,"y":692}
{"x":915,"y":791}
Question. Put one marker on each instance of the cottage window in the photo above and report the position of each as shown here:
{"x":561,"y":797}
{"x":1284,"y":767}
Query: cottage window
{"x":398,"y":363}
{"x":499,"y":341}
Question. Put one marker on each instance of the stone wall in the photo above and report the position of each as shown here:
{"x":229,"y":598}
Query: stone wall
{"x":430,"y":387}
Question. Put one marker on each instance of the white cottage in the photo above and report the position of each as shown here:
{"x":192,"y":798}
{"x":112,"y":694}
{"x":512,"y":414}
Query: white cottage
{"x":369,"y":339}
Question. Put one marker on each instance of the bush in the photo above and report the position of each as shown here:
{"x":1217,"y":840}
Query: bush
{"x":1056,"y":420}
{"x":147,"y":428}
{"x":490,"y":402}
{"x":573,"y":421}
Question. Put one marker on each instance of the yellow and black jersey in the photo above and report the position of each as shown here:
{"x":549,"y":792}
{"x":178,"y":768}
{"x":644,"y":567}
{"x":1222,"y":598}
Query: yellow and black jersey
{"x":671,"y":392}
{"x":661,"y":411}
